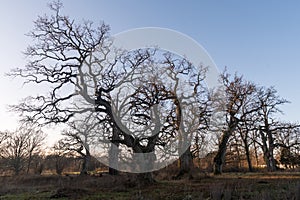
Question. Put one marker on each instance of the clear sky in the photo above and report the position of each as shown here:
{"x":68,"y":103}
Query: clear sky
{"x":259,"y":39}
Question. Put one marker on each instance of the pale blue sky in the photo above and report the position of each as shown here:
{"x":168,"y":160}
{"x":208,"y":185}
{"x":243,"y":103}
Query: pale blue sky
{"x":260,"y":40}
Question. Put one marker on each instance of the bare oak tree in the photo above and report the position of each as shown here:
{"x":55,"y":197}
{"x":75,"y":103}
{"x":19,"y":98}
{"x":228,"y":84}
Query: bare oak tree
{"x":84,"y":73}
{"x":78,"y":138}
{"x":236,"y":105}
{"x":268,"y":126}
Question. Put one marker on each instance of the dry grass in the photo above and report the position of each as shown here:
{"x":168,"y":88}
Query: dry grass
{"x":202,"y":186}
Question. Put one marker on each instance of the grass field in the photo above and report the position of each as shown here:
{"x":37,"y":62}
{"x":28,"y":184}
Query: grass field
{"x":204,"y":186}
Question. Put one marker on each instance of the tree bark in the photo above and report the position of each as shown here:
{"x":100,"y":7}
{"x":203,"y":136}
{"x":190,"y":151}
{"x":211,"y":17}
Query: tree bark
{"x":272,"y":164}
{"x":270,"y":161}
{"x":268,"y":148}
{"x":185,"y":163}
{"x":248,"y":157}
{"x":86,"y":164}
{"x":256,"y":153}
{"x":29,"y":162}
{"x":146,"y":178}
{"x":113,"y":160}
{"x":114,"y":153}
{"x":220,"y":157}
{"x":145,"y":158}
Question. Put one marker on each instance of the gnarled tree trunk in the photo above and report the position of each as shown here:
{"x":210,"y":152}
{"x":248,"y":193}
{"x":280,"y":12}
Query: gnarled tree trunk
{"x":114,"y":153}
{"x":185,"y":163}
{"x":268,"y":148}
{"x":220,"y":157}
{"x":85,"y":164}
{"x":247,"y":152}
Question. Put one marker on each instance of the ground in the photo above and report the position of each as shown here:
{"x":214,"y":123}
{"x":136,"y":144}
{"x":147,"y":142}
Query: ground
{"x":202,"y":186}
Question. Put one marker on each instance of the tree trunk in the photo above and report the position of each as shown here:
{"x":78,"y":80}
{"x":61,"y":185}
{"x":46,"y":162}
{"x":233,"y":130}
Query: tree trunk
{"x":185,"y":163}
{"x":112,"y":171}
{"x":220,"y":157}
{"x":270,"y":161}
{"x":248,"y":159}
{"x":272,"y":164}
{"x":248,"y":155}
{"x":113,"y":159}
{"x":144,"y":160}
{"x":238,"y":159}
{"x":185,"y":159}
{"x":256,"y":154}
{"x":268,"y":150}
{"x":29,"y":163}
{"x":114,"y":153}
{"x":146,"y":178}
{"x":59,"y":164}
{"x":86,"y":164}
{"x":17,"y":166}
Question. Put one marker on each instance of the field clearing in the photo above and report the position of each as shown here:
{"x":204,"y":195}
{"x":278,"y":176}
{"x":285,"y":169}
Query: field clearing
{"x":227,"y":186}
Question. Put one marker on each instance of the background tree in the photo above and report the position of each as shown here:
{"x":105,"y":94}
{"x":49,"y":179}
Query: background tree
{"x":269,"y":102}
{"x":38,"y":163}
{"x":35,"y":141}
{"x":58,"y":157}
{"x":246,"y":129}
{"x":192,"y":121}
{"x":16,"y":152}
{"x":236,"y":106}
{"x":78,"y":139}
{"x":21,"y":146}
{"x":288,"y":141}
{"x":3,"y":137}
